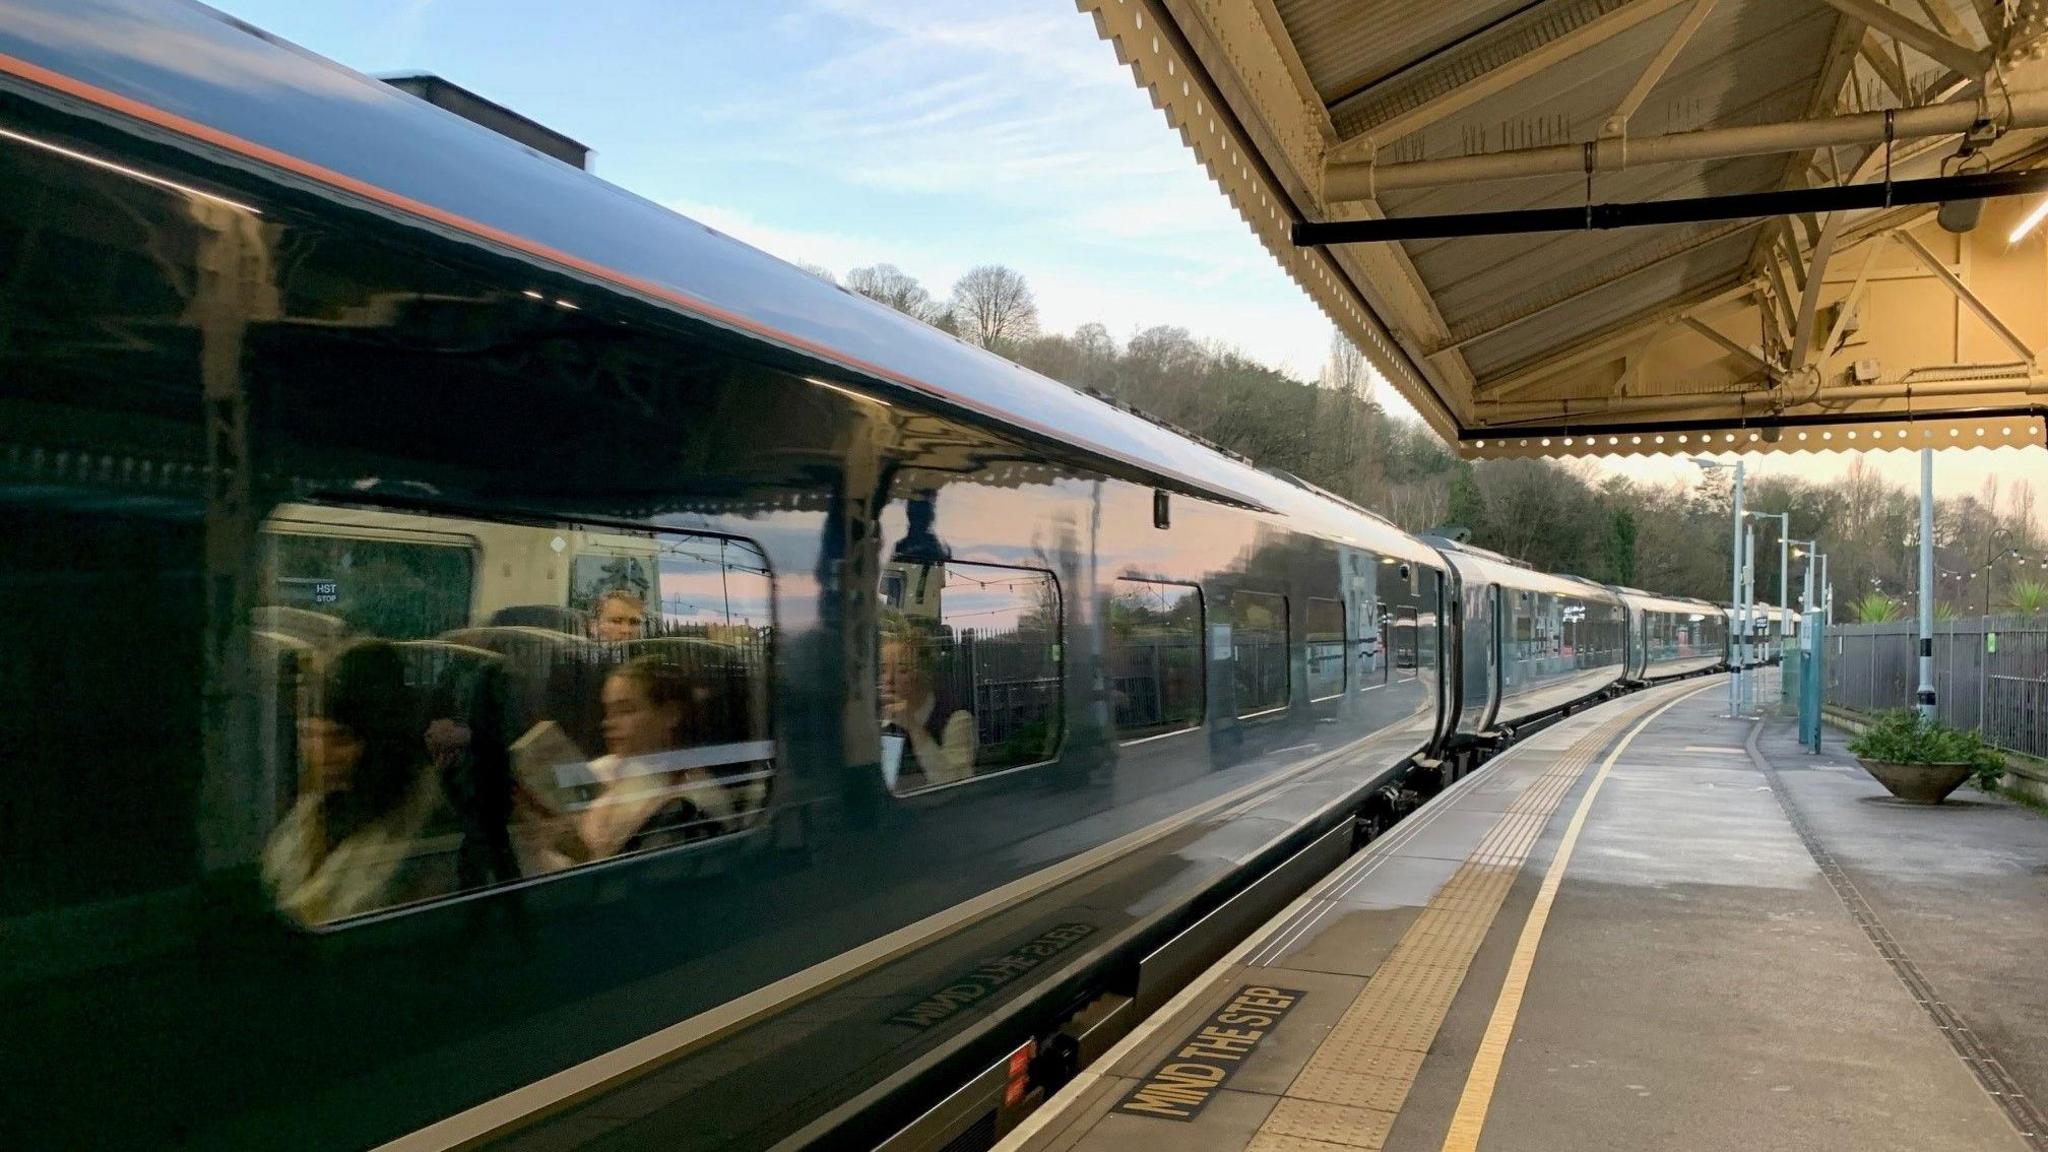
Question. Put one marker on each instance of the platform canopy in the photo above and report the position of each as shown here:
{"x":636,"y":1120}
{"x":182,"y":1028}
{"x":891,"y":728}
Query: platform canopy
{"x":1843,"y":316}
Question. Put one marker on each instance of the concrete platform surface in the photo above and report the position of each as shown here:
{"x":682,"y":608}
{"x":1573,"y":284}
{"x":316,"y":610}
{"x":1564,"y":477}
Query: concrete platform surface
{"x":1647,"y":927}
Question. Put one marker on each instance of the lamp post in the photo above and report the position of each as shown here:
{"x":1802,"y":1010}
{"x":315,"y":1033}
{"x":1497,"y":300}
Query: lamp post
{"x":1986,"y":571}
{"x":1926,"y":693}
{"x":1784,"y":520}
{"x":1809,"y":551}
{"x":1738,"y":641}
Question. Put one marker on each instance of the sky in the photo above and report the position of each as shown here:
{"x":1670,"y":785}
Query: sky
{"x":932,"y":134}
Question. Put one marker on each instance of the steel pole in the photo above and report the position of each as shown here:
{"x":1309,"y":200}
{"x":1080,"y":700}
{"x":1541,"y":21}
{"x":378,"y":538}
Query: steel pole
{"x":1735,"y":646}
{"x":1749,"y":616}
{"x":1784,"y":588}
{"x":1926,"y":693}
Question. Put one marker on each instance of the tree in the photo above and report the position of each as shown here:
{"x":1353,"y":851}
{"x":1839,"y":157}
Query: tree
{"x":818,"y":270}
{"x":1346,"y":371}
{"x":1093,"y":341}
{"x":994,"y":308}
{"x":1468,"y":505}
{"x":888,"y":284}
{"x":1621,"y":546}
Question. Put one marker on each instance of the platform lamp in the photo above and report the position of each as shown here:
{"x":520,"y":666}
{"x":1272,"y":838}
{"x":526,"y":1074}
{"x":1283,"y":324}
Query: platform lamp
{"x":1809,"y":551}
{"x":1739,"y":640}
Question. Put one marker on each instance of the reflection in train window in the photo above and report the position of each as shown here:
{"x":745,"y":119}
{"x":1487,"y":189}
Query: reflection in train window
{"x":969,"y":669}
{"x":437,"y":719}
{"x":1153,"y":637}
{"x":1325,"y":626}
{"x":1258,"y":638}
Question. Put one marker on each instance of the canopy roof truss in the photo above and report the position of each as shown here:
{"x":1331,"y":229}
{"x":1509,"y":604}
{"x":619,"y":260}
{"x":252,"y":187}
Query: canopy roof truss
{"x":1844,"y":329}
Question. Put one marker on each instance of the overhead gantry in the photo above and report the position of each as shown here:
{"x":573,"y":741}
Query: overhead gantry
{"x":1643,"y":225}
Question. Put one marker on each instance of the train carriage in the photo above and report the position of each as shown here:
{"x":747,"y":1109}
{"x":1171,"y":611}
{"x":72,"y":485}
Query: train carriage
{"x":1671,"y":636}
{"x":1531,"y":644}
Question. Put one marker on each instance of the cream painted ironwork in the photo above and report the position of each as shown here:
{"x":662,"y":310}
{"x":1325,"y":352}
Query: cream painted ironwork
{"x":1849,"y":329}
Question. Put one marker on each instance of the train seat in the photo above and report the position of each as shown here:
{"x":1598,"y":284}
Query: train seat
{"x":318,"y":628}
{"x":553,"y":617}
{"x":550,"y":675}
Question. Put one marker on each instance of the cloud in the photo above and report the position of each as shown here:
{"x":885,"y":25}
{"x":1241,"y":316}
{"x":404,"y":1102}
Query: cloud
{"x":1019,"y":106}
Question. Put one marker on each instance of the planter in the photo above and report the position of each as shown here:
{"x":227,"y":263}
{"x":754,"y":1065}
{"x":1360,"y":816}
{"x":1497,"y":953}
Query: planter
{"x":1917,"y":783}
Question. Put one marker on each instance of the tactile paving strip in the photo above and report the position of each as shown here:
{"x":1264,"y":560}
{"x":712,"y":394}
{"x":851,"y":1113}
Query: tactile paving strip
{"x":1348,"y":1094}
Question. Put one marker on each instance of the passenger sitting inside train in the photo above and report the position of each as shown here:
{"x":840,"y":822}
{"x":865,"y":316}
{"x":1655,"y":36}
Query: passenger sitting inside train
{"x":365,"y":796}
{"x":618,"y":615}
{"x":639,"y":796}
{"x":647,"y":801}
{"x":939,"y":753}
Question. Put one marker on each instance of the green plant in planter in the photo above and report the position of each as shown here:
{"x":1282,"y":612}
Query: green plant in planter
{"x":2028,"y":598}
{"x":1875,"y":608}
{"x":1905,"y":737}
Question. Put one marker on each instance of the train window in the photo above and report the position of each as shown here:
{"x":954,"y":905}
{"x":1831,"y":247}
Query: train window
{"x":1153,"y":641}
{"x":1406,"y":640}
{"x":437,"y":719}
{"x":1259,"y":651}
{"x":1325,"y":629}
{"x":970,"y":671}
{"x":405,"y":585}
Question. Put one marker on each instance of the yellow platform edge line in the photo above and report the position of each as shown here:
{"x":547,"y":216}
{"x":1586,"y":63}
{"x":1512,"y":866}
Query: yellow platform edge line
{"x":1403,"y":1005}
{"x":1469,"y":1121}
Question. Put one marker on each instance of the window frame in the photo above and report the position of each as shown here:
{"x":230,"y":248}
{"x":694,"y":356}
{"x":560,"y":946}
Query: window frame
{"x":518,"y":517}
{"x":1059,"y":711}
{"x":1286,"y":649}
{"x":1308,"y":635}
{"x":1201,"y":663}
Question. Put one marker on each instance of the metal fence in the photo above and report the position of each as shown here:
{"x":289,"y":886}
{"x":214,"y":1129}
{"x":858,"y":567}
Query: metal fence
{"x":1990,"y":674}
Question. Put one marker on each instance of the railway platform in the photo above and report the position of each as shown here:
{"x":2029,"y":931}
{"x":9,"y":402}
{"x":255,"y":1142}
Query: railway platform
{"x":1648,"y":927}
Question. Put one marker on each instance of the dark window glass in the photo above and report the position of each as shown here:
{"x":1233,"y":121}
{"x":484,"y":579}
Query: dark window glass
{"x":969,"y":662}
{"x":1406,"y":641}
{"x":1325,"y":627}
{"x":1258,"y":642}
{"x":595,"y":694}
{"x":1153,"y":641}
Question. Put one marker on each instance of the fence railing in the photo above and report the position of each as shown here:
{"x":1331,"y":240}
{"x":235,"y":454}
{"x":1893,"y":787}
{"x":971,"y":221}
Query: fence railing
{"x":1990,"y":674}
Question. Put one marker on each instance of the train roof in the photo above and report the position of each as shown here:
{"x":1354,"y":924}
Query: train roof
{"x":1496,"y":569}
{"x":233,"y":93}
{"x":1637,"y":598}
